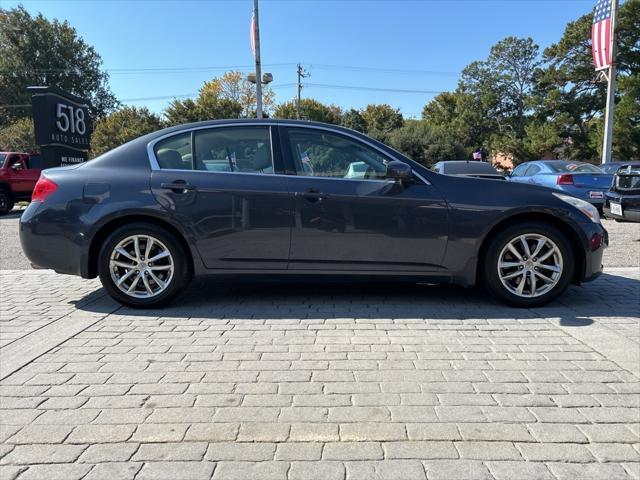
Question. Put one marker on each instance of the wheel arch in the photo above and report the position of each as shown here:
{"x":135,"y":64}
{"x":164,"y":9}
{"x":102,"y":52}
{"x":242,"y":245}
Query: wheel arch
{"x":103,"y":232}
{"x":564,"y":227}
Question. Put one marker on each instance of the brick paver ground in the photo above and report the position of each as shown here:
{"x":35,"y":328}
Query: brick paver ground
{"x":323,"y":382}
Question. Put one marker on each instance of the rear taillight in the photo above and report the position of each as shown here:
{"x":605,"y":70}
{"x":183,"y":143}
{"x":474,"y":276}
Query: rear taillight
{"x":565,"y":179}
{"x":43,"y":189}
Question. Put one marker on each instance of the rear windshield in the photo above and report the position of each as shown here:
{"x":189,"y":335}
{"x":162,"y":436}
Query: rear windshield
{"x":574,"y":167}
{"x":455,"y":168}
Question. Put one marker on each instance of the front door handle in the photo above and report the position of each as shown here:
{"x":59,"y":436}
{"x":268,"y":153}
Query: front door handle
{"x":179,"y":186}
{"x":312,"y":195}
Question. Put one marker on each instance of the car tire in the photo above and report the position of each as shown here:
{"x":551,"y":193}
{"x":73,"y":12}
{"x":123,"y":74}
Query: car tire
{"x":158,"y":281}
{"x":6,"y":202}
{"x":552,"y":269}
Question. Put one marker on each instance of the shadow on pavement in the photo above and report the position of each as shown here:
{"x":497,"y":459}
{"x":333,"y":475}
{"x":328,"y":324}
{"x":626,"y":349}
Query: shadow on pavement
{"x":14,"y":214}
{"x":608,"y":296}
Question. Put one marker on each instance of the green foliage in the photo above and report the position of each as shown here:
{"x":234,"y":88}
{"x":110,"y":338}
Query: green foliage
{"x":18,"y":136}
{"x":209,"y":105}
{"x":426,"y":143}
{"x":352,"y":119}
{"x":36,"y":51}
{"x":381,"y":120}
{"x":122,"y":126}
{"x":310,"y":109}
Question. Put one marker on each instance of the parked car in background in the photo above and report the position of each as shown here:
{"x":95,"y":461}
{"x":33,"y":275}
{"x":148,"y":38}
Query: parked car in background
{"x":147,"y":216}
{"x":467,"y":168}
{"x":19,"y":173}
{"x":612,"y":167}
{"x":579,"y":179}
{"x":622,"y":201}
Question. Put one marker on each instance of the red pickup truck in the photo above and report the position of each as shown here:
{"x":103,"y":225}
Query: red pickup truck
{"x":19,"y":173}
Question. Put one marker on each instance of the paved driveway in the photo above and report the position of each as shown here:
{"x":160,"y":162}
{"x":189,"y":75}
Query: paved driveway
{"x":324,"y":382}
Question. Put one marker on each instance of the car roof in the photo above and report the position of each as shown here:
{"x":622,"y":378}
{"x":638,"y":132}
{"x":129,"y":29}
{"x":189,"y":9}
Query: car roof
{"x":240,"y":121}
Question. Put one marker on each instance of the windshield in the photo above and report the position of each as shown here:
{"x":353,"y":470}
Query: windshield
{"x":574,"y":167}
{"x":2,"y":157}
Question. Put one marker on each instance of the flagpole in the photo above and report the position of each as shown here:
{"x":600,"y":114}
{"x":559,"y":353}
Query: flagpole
{"x":611,"y":90}
{"x":258,"y":68}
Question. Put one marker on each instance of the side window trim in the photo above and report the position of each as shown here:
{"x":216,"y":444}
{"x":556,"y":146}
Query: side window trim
{"x":155,"y":165}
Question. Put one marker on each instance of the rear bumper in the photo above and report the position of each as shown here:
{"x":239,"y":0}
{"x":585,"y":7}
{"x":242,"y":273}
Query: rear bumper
{"x":46,"y":242}
{"x":630,"y":206}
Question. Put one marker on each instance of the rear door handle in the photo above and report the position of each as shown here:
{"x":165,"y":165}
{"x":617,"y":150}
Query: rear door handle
{"x":312,"y":195}
{"x":178,"y":186}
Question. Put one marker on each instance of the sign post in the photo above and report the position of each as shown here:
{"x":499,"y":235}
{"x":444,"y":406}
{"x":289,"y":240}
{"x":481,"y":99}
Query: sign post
{"x":62,"y":126}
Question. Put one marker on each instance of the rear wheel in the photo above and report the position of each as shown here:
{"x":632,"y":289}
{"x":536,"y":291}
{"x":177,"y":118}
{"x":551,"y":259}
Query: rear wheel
{"x":143,"y":265}
{"x":528,"y":265}
{"x":6,"y":202}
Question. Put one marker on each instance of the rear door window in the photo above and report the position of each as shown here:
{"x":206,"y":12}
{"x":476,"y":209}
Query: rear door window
{"x":234,"y":149}
{"x":174,"y":153}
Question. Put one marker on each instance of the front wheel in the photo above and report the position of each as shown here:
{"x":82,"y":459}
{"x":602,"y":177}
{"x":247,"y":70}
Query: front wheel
{"x":528,"y":265}
{"x":143,"y":266}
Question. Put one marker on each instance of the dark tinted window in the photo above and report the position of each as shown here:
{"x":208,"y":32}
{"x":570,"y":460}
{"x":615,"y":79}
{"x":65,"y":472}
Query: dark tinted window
{"x":532,"y":170}
{"x":174,"y":152}
{"x":234,"y":149}
{"x":322,"y":154}
{"x":519,"y":170}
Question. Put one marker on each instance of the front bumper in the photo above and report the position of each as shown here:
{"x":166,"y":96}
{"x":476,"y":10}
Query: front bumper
{"x":630,"y":206}
{"x":598,"y":240}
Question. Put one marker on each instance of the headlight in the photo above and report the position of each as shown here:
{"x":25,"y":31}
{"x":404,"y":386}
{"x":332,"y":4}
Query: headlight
{"x":585,"y":207}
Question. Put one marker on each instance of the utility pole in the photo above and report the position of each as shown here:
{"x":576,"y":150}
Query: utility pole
{"x":301,"y":74}
{"x":611,"y":89}
{"x":256,"y":33}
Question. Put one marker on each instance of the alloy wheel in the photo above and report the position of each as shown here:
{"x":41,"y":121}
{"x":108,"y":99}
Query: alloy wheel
{"x":141,"y":266}
{"x":530,"y":265}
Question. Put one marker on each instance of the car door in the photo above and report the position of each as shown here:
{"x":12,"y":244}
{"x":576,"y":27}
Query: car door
{"x":530,"y":173}
{"x":518,"y":174}
{"x":348,"y":216}
{"x":18,"y":174}
{"x":221,"y":184}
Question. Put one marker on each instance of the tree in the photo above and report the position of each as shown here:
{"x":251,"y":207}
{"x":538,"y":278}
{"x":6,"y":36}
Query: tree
{"x":122,"y":126}
{"x":18,"y":136}
{"x":234,"y":86}
{"x":209,"y":105}
{"x":381,"y":119}
{"x":503,"y":83}
{"x":352,"y":119}
{"x":569,"y":95}
{"x":37,"y":51}
{"x":425,"y":143}
{"x":310,"y":109}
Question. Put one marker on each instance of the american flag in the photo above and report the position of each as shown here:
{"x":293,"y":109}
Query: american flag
{"x":601,"y":34}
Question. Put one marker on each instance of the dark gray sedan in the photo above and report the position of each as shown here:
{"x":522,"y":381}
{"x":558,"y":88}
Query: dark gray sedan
{"x":283,"y":198}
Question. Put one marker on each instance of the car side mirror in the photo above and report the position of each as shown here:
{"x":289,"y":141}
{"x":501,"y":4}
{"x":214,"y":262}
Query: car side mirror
{"x":399,"y":171}
{"x":16,"y":166}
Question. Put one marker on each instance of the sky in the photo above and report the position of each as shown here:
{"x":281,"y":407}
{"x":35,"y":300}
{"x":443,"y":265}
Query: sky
{"x":406,"y":49}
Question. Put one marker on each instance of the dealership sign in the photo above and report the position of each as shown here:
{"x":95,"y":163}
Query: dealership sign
{"x":62,"y":125}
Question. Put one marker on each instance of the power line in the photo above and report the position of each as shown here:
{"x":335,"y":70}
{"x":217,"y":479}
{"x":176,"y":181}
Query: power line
{"x":324,"y":66}
{"x":152,"y":69}
{"x":374,"y":89}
